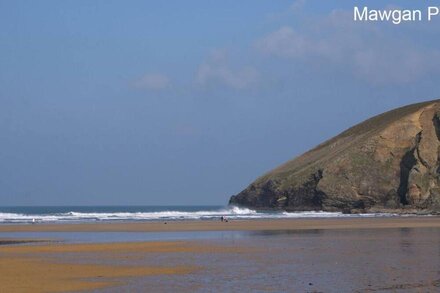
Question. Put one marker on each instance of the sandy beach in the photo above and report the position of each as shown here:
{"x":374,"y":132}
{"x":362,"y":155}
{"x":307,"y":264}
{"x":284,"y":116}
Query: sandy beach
{"x":305,"y":255}
{"x":237,"y":225}
{"x":36,"y":268}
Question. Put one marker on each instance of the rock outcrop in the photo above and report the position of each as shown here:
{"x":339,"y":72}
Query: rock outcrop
{"x":388,"y":162}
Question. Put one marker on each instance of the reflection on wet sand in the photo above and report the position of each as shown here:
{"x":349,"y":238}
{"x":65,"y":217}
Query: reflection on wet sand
{"x":316,"y":260}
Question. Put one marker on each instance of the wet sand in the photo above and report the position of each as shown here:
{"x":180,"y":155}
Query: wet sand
{"x":313,"y":255}
{"x":237,"y":225}
{"x":44,"y":268}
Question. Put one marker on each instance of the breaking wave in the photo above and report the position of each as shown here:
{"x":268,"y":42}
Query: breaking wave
{"x":232,"y":213}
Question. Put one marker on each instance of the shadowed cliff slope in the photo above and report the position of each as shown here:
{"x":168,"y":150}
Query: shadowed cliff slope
{"x":390,"y":161}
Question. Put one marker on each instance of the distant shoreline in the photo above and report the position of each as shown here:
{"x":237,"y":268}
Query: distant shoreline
{"x":236,"y":225}
{"x":121,"y":214}
{"x":21,"y":241}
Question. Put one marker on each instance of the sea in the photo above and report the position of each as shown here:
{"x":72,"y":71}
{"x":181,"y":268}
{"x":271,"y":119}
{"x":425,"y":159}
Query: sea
{"x":85,"y":214}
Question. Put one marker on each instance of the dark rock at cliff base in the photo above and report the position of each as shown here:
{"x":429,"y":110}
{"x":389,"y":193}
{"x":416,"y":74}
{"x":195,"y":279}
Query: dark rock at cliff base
{"x":388,"y":162}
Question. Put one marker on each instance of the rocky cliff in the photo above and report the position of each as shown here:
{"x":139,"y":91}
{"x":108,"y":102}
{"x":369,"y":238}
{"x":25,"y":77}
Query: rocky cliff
{"x":390,"y":161}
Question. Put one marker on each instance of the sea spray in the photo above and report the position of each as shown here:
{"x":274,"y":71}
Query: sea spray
{"x":128,"y":214}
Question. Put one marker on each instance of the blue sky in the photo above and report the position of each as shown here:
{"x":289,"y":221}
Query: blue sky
{"x":187,"y":102}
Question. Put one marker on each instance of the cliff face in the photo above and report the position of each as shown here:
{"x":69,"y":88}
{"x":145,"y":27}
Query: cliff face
{"x":390,"y":161}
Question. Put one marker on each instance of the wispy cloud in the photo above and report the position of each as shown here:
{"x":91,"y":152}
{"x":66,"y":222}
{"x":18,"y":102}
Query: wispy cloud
{"x":217,"y":70}
{"x":152,"y":81}
{"x":373,"y":53}
{"x":284,"y":42}
{"x":297,"y":5}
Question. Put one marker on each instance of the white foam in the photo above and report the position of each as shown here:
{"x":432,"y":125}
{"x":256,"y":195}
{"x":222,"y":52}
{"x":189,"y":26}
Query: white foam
{"x":230,"y":212}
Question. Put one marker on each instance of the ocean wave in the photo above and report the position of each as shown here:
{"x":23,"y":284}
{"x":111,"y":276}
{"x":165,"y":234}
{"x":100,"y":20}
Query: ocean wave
{"x":230,"y":213}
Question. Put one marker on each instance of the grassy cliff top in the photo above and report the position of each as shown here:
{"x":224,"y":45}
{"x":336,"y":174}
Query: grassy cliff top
{"x":348,"y":139}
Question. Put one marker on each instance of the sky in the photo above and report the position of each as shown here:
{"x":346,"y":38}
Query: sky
{"x":187,"y":102}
